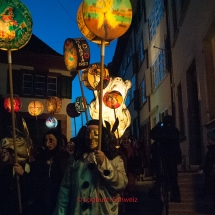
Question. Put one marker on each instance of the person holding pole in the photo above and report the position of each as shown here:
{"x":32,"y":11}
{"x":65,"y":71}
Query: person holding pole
{"x":93,"y":178}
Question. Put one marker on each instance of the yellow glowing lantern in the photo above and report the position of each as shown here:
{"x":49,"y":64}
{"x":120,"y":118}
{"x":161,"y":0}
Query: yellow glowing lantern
{"x":35,"y":108}
{"x":53,"y":104}
{"x":108,"y":19}
{"x":113,"y":99}
{"x":85,"y":30}
{"x":17,"y":104}
{"x":91,"y":77}
{"x":15,"y":25}
{"x":76,"y":54}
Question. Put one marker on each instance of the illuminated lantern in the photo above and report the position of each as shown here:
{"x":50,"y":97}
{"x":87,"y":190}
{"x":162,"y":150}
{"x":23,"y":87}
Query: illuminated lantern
{"x":91,"y":77}
{"x":80,"y":104}
{"x":71,"y":110}
{"x":53,"y":104}
{"x":113,"y":99}
{"x":85,"y":30}
{"x":107,"y":19}
{"x":76,"y":54}
{"x":15,"y":25}
{"x":51,"y":122}
{"x":35,"y":108}
{"x":17,"y":104}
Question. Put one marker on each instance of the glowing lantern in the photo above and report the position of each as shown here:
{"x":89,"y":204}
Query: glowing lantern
{"x":107,"y":19}
{"x":76,"y":54}
{"x":113,"y":99}
{"x":17,"y":104}
{"x":80,"y":104}
{"x":35,"y":108}
{"x":15,"y":25}
{"x":85,"y":30}
{"x":51,"y":122}
{"x":91,"y":77}
{"x":53,"y":105}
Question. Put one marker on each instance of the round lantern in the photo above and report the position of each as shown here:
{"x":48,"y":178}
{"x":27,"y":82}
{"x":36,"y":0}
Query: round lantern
{"x":91,"y":77}
{"x":76,"y":54}
{"x":17,"y":104}
{"x":35,"y":108}
{"x":107,"y":19}
{"x":85,"y":30}
{"x":53,"y":104}
{"x":15,"y":25}
{"x":113,"y":99}
{"x":51,"y":122}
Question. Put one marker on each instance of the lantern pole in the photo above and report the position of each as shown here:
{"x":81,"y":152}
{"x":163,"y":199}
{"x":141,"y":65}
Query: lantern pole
{"x":101,"y":92}
{"x":82,"y":92}
{"x":13,"y":125}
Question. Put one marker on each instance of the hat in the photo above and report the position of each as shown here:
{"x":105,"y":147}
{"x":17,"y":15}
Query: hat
{"x":211,"y":135}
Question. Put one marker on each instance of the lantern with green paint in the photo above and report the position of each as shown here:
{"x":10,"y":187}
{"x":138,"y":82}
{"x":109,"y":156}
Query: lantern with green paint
{"x":15,"y":25}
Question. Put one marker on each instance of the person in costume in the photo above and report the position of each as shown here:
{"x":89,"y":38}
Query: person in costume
{"x":93,"y":178}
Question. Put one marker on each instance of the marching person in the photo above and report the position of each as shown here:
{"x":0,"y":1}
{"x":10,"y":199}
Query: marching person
{"x":92,"y":175}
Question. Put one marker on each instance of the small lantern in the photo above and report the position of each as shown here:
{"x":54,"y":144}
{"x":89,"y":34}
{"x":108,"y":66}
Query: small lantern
{"x":91,"y":77}
{"x":76,"y":54}
{"x":35,"y":108}
{"x":15,"y":25}
{"x":17,"y":104}
{"x":113,"y":99}
{"x":51,"y":122}
{"x":80,"y":104}
{"x":53,"y":105}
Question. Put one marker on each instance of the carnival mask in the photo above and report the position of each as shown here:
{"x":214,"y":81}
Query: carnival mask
{"x":92,"y":136}
{"x":50,"y":141}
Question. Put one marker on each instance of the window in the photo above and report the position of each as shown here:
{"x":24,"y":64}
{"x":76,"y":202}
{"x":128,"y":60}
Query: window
{"x":155,"y":17}
{"x":141,"y":54}
{"x":130,"y":94}
{"x":158,"y":69}
{"x":29,"y":84}
{"x":143,"y":91}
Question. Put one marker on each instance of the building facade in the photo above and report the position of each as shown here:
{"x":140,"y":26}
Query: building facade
{"x":168,"y":54}
{"x":38,"y":73}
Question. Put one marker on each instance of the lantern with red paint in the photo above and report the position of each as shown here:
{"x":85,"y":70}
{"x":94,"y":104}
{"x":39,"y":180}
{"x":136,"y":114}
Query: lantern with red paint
{"x":17,"y":104}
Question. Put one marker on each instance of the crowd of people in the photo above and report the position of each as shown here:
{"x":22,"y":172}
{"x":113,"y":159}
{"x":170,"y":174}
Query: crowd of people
{"x":78,"y":177}
{"x":59,"y":172}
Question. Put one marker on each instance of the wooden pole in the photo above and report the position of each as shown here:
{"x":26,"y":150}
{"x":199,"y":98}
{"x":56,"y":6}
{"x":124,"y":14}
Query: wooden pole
{"x":101,"y":92}
{"x":13,"y":126}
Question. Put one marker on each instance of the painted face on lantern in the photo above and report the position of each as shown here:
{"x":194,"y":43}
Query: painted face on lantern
{"x":92,"y":136}
{"x":51,"y":141}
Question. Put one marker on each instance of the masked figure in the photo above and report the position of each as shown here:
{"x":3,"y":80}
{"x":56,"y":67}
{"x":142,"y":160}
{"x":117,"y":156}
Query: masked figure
{"x":93,"y":178}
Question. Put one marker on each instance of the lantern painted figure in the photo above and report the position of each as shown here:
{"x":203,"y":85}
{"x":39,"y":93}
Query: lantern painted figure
{"x":15,"y":24}
{"x":108,"y":19}
{"x":35,"y":108}
{"x":51,"y":122}
{"x":17,"y":104}
{"x":53,"y":105}
{"x":113,"y":99}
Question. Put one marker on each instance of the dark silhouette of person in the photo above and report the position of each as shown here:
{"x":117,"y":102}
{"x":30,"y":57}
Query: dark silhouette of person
{"x":166,"y":144}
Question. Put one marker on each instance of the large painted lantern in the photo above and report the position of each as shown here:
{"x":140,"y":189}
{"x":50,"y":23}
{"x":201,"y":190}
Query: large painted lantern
{"x":85,"y":30}
{"x":91,"y":77}
{"x":53,"y":104}
{"x":76,"y":54}
{"x":17,"y":104}
{"x":35,"y":108}
{"x":15,"y":25}
{"x":51,"y":122}
{"x":108,"y":19}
